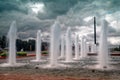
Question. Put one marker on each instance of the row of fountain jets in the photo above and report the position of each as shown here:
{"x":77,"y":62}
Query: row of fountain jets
{"x":66,"y":46}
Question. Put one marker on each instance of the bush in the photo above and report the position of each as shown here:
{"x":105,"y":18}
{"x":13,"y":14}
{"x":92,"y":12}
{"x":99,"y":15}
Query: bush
{"x":116,"y":49}
{"x":4,"y":54}
{"x":22,"y":53}
{"x":44,"y":52}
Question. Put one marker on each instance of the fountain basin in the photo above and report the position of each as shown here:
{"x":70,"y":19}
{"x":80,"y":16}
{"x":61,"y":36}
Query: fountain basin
{"x":13,"y":65}
{"x":38,"y":61}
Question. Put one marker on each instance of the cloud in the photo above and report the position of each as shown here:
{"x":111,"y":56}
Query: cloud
{"x":70,"y":13}
{"x":114,"y":40}
{"x":25,"y":22}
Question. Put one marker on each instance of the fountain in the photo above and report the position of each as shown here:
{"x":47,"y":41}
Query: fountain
{"x":68,"y":62}
{"x":103,"y":56}
{"x":87,"y":47}
{"x":62,"y":55}
{"x":93,"y":48}
{"x":12,"y":36}
{"x":76,"y":48}
{"x":103,"y":48}
{"x":38,"y":48}
{"x":83,"y":47}
{"x":54,"y":47}
{"x":68,"y":57}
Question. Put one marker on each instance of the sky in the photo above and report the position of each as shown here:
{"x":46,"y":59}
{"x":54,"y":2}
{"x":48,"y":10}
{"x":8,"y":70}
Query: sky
{"x":32,"y":15}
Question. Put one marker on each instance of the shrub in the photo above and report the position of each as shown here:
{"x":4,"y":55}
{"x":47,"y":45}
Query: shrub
{"x":4,"y":54}
{"x":22,"y":53}
{"x":1,"y":52}
{"x":44,"y":52}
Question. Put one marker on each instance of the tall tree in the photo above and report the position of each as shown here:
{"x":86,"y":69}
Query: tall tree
{"x":3,"y":42}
